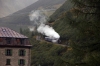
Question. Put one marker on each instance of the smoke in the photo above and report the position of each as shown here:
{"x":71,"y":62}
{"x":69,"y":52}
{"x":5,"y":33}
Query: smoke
{"x":48,"y":31}
{"x":39,"y":19}
{"x":32,"y":28}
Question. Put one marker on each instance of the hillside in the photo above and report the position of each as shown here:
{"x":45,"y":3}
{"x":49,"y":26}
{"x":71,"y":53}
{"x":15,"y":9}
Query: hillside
{"x":79,"y":29}
{"x":64,"y":8}
{"x":8,"y":7}
{"x":60,"y":21}
{"x":46,"y":4}
{"x":21,"y":18}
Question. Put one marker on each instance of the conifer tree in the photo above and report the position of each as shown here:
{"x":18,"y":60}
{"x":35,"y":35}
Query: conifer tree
{"x":21,"y":31}
{"x":85,"y":42}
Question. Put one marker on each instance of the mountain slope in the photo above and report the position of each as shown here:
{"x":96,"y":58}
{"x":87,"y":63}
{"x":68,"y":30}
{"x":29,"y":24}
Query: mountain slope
{"x":65,"y":7}
{"x":41,"y":3}
{"x":21,"y":17}
{"x":10,"y":6}
{"x":80,"y":29}
{"x":61,"y":21}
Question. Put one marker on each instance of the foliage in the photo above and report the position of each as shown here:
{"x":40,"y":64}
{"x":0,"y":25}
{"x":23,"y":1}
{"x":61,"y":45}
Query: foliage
{"x":46,"y":54}
{"x":65,"y":7}
{"x":80,"y":28}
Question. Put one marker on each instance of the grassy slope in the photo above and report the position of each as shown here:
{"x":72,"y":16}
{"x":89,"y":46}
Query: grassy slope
{"x":65,"y":7}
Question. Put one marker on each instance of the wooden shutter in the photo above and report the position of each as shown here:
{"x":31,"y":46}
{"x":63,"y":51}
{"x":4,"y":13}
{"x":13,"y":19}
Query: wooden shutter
{"x":11,"y":52}
{"x":24,"y":61}
{"x":19,"y":62}
{"x":24,"y":52}
{"x":6,"y":52}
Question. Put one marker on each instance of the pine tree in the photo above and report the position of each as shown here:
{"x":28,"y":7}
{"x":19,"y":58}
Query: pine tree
{"x":21,"y":31}
{"x":85,"y":42}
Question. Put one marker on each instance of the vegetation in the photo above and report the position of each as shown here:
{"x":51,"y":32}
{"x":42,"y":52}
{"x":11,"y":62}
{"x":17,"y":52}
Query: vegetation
{"x":45,"y":53}
{"x":65,"y":7}
{"x":86,"y":43}
{"x":79,"y":30}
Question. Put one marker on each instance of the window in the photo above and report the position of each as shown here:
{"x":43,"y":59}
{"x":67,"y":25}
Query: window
{"x":8,"y":40}
{"x":1,"y":39}
{"x":21,"y":62}
{"x":8,"y":52}
{"x":18,"y":41}
{"x":22,"y":41}
{"x":8,"y":61}
{"x":21,"y":52}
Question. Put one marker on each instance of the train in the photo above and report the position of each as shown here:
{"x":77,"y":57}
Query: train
{"x":53,"y":40}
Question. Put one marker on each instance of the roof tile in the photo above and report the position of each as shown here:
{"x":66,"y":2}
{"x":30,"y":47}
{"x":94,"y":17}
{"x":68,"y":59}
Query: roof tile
{"x":6,"y":32}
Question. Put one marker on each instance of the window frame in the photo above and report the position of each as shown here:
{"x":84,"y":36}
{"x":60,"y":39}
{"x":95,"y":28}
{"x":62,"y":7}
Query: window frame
{"x":22,"y":52}
{"x":8,"y":40}
{"x":1,"y":39}
{"x":21,"y":62}
{"x":22,"y":41}
{"x":8,"y":52}
{"x":8,"y":61}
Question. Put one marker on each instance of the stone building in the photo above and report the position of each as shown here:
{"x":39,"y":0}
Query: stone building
{"x":14,"y":48}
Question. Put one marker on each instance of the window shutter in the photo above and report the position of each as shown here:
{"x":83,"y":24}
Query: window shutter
{"x":24,"y":52}
{"x":5,"y":52}
{"x":24,"y":62}
{"x":11,"y":52}
{"x":19,"y":52}
{"x":18,"y":62}
{"x":0,"y":39}
{"x":8,"y":62}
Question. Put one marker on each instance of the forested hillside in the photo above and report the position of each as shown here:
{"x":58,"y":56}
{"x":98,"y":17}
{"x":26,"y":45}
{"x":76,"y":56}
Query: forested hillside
{"x":79,"y":28}
{"x":61,"y":19}
{"x":65,"y":7}
{"x":45,"y":53}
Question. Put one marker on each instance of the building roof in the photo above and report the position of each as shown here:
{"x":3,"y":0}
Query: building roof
{"x":6,"y":32}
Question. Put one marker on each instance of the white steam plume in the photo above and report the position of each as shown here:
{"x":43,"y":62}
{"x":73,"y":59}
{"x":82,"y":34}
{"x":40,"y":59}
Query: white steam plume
{"x":48,"y":31}
{"x":32,"y":28}
{"x":39,"y":19}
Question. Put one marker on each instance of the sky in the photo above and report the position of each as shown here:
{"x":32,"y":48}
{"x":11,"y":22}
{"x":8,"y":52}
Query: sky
{"x":8,"y":7}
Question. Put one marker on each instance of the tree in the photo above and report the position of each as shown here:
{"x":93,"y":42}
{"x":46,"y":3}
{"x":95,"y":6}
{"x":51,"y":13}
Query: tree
{"x":85,"y":42}
{"x":21,"y":31}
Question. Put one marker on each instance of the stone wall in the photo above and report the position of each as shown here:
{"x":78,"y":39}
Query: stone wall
{"x":15,"y":56}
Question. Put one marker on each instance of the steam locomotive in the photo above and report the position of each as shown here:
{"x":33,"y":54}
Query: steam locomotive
{"x":54,"y":40}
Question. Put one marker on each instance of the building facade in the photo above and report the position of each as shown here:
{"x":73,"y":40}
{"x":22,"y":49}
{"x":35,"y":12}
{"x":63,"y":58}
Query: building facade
{"x":15,"y":49}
